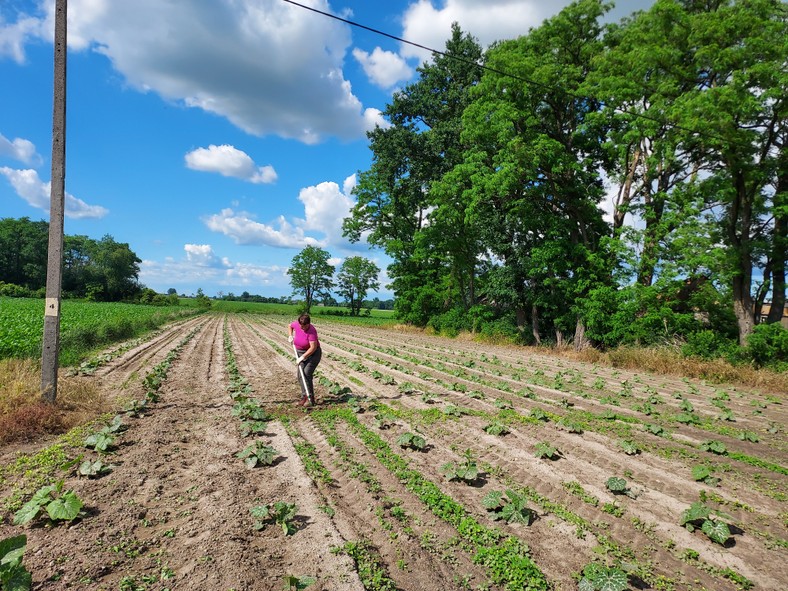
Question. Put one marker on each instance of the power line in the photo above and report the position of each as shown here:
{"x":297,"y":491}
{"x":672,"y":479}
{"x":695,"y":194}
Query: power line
{"x":506,"y":74}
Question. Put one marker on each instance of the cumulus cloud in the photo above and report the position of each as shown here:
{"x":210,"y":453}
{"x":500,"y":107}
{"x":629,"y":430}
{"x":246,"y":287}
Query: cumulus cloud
{"x":21,"y":150}
{"x":383,"y":68}
{"x":32,"y":189}
{"x":267,"y":66}
{"x":326,"y":205}
{"x":201,"y":267}
{"x":244,"y":229}
{"x":231,"y":162}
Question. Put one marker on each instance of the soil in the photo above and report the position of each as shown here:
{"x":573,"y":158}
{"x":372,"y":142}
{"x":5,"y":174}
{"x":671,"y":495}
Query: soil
{"x":174,"y":513}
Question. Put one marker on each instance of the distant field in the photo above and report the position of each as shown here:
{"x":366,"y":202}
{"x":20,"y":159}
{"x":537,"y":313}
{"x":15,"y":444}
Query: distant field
{"x":321,"y":313}
{"x":84,"y":325}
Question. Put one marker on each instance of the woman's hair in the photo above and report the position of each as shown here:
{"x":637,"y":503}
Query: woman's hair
{"x":304,"y":319}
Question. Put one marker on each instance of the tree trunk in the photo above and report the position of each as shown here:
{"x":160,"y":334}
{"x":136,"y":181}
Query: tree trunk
{"x":581,"y":342}
{"x":535,"y":324}
{"x":779,"y":247}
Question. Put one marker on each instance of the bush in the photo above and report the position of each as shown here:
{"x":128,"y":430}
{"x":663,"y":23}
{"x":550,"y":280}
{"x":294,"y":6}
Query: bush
{"x":708,"y":344}
{"x":450,"y":323}
{"x":767,"y":346}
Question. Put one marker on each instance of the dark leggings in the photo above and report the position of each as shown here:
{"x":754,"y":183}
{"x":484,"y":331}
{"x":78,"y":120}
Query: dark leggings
{"x":309,"y":365}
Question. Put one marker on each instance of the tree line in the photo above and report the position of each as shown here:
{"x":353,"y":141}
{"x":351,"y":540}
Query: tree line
{"x":98,"y":270}
{"x":487,"y":187}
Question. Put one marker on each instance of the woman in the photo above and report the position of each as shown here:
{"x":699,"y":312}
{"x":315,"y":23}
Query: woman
{"x":304,"y":336}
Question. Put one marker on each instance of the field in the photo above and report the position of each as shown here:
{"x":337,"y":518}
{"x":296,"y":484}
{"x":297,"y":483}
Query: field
{"x":428,"y":463}
{"x":83,"y":325}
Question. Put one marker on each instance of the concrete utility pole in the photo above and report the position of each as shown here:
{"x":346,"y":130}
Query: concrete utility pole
{"x":50,"y":350}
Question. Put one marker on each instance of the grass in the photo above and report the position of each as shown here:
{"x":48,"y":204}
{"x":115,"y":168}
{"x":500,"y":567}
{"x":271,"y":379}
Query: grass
{"x":24,"y":417}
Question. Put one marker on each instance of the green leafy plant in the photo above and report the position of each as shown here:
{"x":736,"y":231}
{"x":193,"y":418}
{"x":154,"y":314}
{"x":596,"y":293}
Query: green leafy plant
{"x":703,"y":474}
{"x":384,"y":420}
{"x":466,"y":471}
{"x":250,"y":409}
{"x":496,"y":428}
{"x":716,"y":447}
{"x":510,"y":507}
{"x":539,"y":414}
{"x":293,"y":583}
{"x":412,"y":441}
{"x":629,"y":447}
{"x":655,"y":430}
{"x":452,"y":410}
{"x":279,"y":512}
{"x":545,"y":450}
{"x":597,"y":577}
{"x":253,"y":427}
{"x":101,"y":442}
{"x":749,"y":436}
{"x":699,"y":515}
{"x":93,"y":469}
{"x":259,"y":453}
{"x":13,"y":575}
{"x":570,"y":426}
{"x":59,"y":505}
{"x":618,"y":486}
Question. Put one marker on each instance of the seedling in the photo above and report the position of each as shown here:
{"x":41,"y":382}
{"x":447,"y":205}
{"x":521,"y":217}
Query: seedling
{"x":749,"y":436}
{"x":511,"y":508}
{"x":496,"y":428}
{"x":101,"y":442}
{"x":253,"y":427}
{"x":250,"y":409}
{"x":597,"y":577}
{"x":630,"y":447}
{"x":699,"y":515}
{"x":13,"y":575}
{"x":384,"y":420}
{"x":503,"y":404}
{"x":571,"y":427}
{"x":703,"y":474}
{"x":407,"y":388}
{"x":60,"y":505}
{"x":466,"y":471}
{"x":279,"y":512}
{"x":538,"y":414}
{"x":93,"y":469}
{"x":412,"y":441}
{"x":428,"y":398}
{"x":545,"y":450}
{"x":716,"y":447}
{"x":618,"y":486}
{"x":293,"y":583}
{"x":476,"y":394}
{"x":259,"y":453}
{"x":655,"y":429}
{"x":452,"y":410}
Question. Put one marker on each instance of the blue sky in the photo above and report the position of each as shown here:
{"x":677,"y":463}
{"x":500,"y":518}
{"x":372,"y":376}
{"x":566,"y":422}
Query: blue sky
{"x":218,"y":137}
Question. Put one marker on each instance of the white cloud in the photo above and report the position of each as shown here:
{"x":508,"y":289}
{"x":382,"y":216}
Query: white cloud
{"x":20,"y":149}
{"x":383,"y":68}
{"x":231,"y":162}
{"x":267,"y":66}
{"x":32,"y":189}
{"x":201,"y":267}
{"x":325,"y":207}
{"x":244,"y":229}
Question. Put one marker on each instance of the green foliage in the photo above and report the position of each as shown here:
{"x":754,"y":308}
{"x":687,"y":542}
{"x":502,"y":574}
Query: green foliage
{"x":618,"y":486}
{"x":716,"y":447}
{"x":698,"y":515}
{"x":767,"y":346}
{"x":511,"y":507}
{"x":703,"y":473}
{"x":59,"y":505}
{"x":597,"y":577}
{"x":412,"y":441}
{"x":545,"y":450}
{"x":465,"y":471}
{"x":708,"y":344}
{"x":311,"y":274}
{"x":293,"y":583}
{"x":94,"y":469}
{"x":13,"y":575}
{"x":280,"y":512}
{"x":258,"y":453}
{"x":496,"y":428}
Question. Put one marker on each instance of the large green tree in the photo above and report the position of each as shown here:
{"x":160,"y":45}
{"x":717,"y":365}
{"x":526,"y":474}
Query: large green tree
{"x":529,"y":172}
{"x":355,"y":278}
{"x":311,"y":275}
{"x":23,"y":252}
{"x":434,"y":249}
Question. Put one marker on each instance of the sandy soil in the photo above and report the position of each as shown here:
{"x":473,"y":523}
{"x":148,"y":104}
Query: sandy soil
{"x":175,"y":511}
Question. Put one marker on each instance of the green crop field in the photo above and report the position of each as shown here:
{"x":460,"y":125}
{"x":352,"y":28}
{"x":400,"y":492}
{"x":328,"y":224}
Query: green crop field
{"x":84,"y":325}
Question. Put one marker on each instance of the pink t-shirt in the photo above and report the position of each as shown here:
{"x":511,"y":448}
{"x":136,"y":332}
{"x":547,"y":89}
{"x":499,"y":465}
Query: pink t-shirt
{"x":302,"y":339}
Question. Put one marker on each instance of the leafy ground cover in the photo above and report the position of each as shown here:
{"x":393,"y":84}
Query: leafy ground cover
{"x":84,"y":325}
{"x":656,"y":482}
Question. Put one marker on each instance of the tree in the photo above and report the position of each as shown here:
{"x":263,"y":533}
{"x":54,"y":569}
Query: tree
{"x":356,"y":276}
{"x":311,"y":275}
{"x":434,"y":251}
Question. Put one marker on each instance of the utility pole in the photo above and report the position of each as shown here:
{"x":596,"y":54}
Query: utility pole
{"x":51,"y":345}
